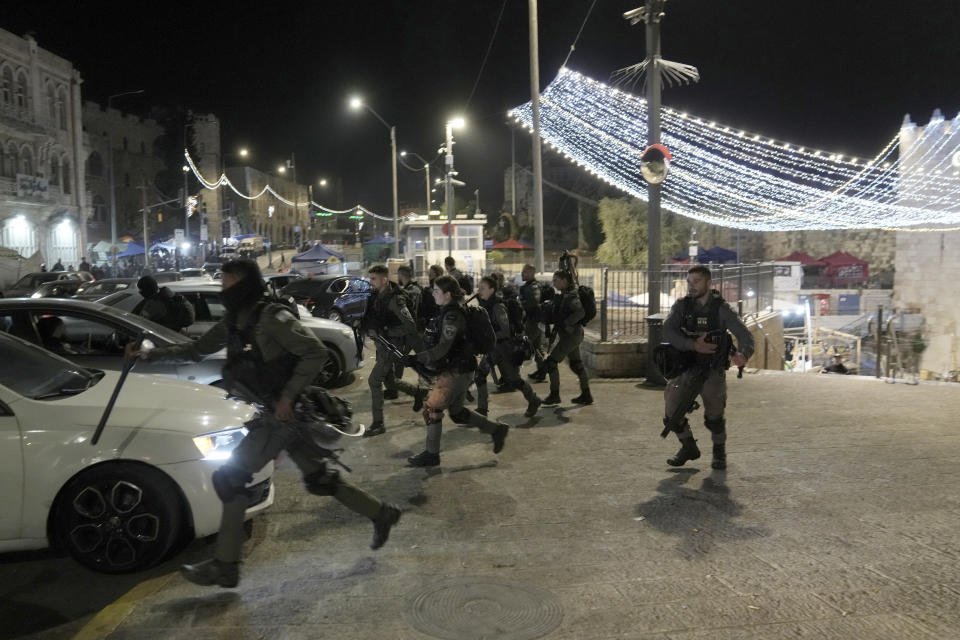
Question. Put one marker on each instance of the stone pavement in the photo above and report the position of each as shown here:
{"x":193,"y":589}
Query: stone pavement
{"x":837,"y":518}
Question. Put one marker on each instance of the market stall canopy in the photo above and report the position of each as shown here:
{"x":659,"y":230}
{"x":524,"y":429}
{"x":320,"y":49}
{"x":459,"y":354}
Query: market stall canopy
{"x":803,"y":258}
{"x":318,"y":253}
{"x":844,"y":269}
{"x":133,"y":249}
{"x":511,"y":244}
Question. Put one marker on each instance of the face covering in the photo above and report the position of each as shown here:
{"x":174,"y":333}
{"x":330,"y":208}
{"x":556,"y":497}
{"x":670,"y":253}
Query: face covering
{"x":243,"y":294}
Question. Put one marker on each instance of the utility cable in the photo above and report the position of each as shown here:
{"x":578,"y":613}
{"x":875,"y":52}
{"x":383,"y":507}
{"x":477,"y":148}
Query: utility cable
{"x":487,"y":55}
{"x":575,"y":40}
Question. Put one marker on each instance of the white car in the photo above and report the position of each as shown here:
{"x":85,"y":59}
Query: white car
{"x":208,"y":309}
{"x":125,"y":503}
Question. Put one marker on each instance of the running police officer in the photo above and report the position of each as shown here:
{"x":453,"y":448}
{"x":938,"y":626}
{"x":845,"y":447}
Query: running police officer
{"x":450,"y":353}
{"x":503,"y":356}
{"x":387,"y":314}
{"x":698,"y":324}
{"x":530,"y":301}
{"x":271,"y":357}
{"x":567,"y":314}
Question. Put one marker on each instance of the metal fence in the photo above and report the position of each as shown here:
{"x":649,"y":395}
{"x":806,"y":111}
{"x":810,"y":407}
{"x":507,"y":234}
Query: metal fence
{"x":622,"y":294}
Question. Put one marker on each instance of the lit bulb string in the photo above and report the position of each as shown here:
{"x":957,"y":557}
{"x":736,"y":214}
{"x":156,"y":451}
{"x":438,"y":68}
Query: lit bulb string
{"x":770,"y":200}
{"x":325,"y":211}
{"x":881,"y":186}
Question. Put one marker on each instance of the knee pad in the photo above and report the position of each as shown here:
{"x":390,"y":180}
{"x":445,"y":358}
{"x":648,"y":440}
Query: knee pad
{"x":323,"y":482}
{"x":430,"y":417}
{"x":229,"y":482}
{"x":460,"y":416}
{"x":577,"y":367}
{"x":715,"y":425}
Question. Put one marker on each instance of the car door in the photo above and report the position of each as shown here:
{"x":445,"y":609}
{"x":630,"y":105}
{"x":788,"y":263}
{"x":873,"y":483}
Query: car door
{"x":202,"y":321}
{"x":96,"y":343}
{"x":11,"y":469}
{"x":354,"y":300}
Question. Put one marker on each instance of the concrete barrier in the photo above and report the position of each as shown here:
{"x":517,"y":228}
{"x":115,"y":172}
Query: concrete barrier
{"x":619,"y":359}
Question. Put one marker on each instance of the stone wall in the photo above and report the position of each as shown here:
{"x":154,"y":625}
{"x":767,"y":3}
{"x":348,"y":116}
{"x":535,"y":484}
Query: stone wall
{"x":928,"y":270}
{"x":876,"y":246}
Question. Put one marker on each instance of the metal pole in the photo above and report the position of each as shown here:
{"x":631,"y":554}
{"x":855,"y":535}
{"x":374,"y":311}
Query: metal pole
{"x":146,"y":237}
{"x":396,"y":212}
{"x":877,"y":337}
{"x":603,"y":306}
{"x":448,"y":188}
{"x":426,"y":166}
{"x":113,"y":205}
{"x":537,"y":159}
{"x":653,"y":137}
{"x":513,"y":174}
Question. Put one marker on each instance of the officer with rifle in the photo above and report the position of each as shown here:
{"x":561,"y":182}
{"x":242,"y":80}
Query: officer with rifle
{"x":567,"y":327}
{"x":530,"y":297}
{"x":271,"y":361}
{"x":698,"y":328}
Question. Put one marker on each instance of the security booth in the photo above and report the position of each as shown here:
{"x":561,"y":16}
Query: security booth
{"x":429,"y":239}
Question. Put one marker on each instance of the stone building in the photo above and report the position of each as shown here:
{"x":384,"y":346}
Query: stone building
{"x":129,"y":142}
{"x":268,"y":216}
{"x":928,"y":260}
{"x":208,"y":222}
{"x":43,"y":204}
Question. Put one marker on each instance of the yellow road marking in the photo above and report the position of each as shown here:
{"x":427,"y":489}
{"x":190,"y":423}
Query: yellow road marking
{"x":110,"y":617}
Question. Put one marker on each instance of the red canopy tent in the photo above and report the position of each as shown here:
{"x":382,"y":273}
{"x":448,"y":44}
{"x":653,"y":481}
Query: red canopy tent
{"x":511,"y":244}
{"x":844,"y":270}
{"x":803,"y":258}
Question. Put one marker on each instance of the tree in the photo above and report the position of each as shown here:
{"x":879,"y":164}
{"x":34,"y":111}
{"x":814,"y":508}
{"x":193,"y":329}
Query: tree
{"x":624,"y":222}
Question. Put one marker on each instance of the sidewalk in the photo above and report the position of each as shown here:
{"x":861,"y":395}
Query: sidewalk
{"x":837,"y":518}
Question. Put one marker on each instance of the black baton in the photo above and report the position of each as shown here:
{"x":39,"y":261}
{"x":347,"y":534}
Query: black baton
{"x":127,"y":365}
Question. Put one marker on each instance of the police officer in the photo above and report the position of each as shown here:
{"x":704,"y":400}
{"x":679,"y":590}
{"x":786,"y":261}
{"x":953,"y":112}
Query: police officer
{"x":428,"y":307}
{"x":450,"y":353}
{"x":568,"y":312}
{"x":699,"y":323}
{"x":530,"y":301}
{"x":503,"y":356}
{"x":271,"y":357}
{"x":387,"y":314}
{"x":414,"y":293}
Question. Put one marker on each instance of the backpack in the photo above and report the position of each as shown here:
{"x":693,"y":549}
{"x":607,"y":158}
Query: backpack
{"x":179,"y":312}
{"x":515,"y":313}
{"x":546,"y":291}
{"x":480,"y":333}
{"x":588,"y":300}
{"x":466,"y":283}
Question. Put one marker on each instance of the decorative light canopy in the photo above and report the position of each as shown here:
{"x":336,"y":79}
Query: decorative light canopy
{"x":737,"y":179}
{"x":356,"y":212}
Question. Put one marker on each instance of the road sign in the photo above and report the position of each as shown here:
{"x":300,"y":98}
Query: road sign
{"x":203,"y":233}
{"x":178,"y":236}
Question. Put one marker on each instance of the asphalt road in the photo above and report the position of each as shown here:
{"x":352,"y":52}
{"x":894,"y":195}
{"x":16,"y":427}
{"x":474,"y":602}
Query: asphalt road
{"x":837,"y":518}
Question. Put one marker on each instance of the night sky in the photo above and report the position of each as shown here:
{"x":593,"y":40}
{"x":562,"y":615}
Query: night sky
{"x":836,"y":75}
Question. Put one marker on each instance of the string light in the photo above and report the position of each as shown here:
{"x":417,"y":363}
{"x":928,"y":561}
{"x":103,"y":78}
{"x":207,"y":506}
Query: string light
{"x":356,"y":212}
{"x":739,"y":179}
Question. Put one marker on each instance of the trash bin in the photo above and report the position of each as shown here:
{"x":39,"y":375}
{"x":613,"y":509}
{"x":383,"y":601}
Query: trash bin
{"x":654,"y":338}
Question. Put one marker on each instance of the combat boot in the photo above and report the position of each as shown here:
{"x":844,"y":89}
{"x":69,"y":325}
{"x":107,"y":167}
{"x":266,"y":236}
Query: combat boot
{"x":211,"y":572}
{"x":583,"y":398}
{"x":553,"y":398}
{"x":688,"y":451}
{"x":719,"y":456}
{"x":424,"y":459}
{"x":533,"y":405}
{"x":375,"y":429}
{"x":388,"y":516}
{"x":500,"y":436}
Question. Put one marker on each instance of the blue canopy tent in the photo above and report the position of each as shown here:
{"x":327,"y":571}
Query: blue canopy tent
{"x":133,"y":249}
{"x":716,"y":255}
{"x":319,"y":259}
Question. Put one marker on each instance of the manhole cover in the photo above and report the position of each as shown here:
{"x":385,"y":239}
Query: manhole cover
{"x":483,"y":608}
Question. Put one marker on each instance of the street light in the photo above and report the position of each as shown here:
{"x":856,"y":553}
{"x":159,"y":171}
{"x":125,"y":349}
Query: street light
{"x":455,"y":123}
{"x":322,"y":182}
{"x":113,"y":194}
{"x":357,"y":103}
{"x":426,"y":167}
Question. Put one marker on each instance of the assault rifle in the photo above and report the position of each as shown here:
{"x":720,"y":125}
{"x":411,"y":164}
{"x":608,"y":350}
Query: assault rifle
{"x":701,"y":366}
{"x":398,"y":356}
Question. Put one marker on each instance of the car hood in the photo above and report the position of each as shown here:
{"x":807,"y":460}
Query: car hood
{"x":313,"y":322}
{"x":148,"y":402}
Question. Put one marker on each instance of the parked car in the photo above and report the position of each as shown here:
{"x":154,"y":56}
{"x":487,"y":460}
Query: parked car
{"x":277,"y":281}
{"x":340,"y":298}
{"x":57,"y":289}
{"x":94,"y":335}
{"x":99,"y":288}
{"x":29,"y":283}
{"x":193,"y":273}
{"x":167,"y":276}
{"x":208,"y":310}
{"x":127,"y":502}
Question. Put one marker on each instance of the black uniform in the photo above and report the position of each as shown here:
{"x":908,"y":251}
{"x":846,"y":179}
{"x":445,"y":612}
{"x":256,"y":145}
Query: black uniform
{"x":567,"y":316}
{"x":387,"y":314}
{"x":503,"y":357}
{"x":530,"y":301}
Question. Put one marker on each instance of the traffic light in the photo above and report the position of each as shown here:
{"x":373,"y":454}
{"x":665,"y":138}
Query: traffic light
{"x":159,"y":216}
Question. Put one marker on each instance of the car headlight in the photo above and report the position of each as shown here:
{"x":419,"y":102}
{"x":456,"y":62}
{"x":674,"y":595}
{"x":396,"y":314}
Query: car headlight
{"x":219,"y":444}
{"x":36,"y":294}
{"x":346,"y":333}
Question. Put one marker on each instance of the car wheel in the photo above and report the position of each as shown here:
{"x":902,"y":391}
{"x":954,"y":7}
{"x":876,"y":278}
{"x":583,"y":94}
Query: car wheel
{"x":332,"y":369}
{"x":119,"y":517}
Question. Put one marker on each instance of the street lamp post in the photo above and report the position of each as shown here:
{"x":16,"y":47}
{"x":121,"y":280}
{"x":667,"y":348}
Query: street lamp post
{"x":426,"y":167}
{"x":356,"y":103}
{"x":113,"y":186}
{"x":457,"y":123}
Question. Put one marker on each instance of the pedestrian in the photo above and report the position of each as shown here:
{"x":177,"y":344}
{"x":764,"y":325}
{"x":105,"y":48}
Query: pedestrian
{"x":450,"y":353}
{"x":84,"y":265}
{"x":271,"y":357}
{"x":388,"y":315}
{"x":504,"y":354}
{"x":58,"y":266}
{"x":567,"y":315}
{"x":163,"y":306}
{"x":700,"y":324}
{"x":465,"y":281}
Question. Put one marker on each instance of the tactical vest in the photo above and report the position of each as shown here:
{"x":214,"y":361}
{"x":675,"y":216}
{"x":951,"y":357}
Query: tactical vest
{"x":460,"y":356}
{"x":246,"y":372}
{"x":381,"y":306}
{"x":696,"y":320}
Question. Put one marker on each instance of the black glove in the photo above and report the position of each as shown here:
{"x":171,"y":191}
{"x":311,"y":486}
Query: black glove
{"x":409,"y":361}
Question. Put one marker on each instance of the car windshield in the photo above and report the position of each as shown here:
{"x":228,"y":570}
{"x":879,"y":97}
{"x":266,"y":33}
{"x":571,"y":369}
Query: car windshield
{"x":34,"y":280}
{"x":106,"y":309}
{"x":37,"y":374}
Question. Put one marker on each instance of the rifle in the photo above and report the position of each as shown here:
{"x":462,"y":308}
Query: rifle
{"x":688,"y":401}
{"x":398,"y":356}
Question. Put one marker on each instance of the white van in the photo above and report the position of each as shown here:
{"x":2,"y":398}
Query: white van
{"x":254,"y":244}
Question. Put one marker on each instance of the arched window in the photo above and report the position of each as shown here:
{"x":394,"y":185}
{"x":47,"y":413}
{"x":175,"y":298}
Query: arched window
{"x":51,"y":102}
{"x":22,"y":91}
{"x":66,"y":178}
{"x":99,"y":208}
{"x":6,"y":85}
{"x":10,"y":160}
{"x":95,"y":165}
{"x":26,"y":160}
{"x":54,"y":177}
{"x":62,"y":107}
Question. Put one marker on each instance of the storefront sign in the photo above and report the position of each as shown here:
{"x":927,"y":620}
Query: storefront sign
{"x":32,"y":187}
